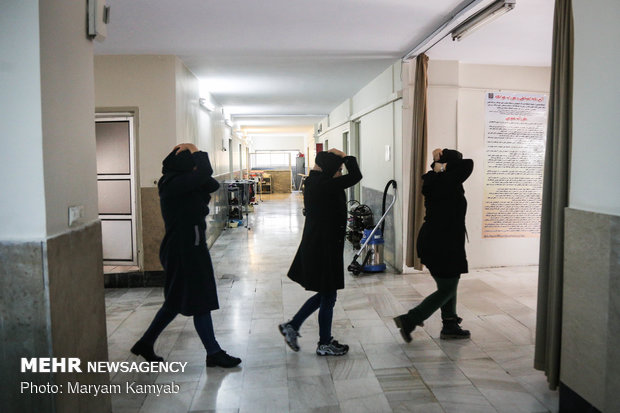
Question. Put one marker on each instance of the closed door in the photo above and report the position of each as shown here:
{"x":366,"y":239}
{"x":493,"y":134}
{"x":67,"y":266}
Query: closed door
{"x":117,"y":189}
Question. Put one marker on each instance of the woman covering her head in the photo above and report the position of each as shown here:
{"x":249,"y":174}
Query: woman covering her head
{"x":441,"y":242}
{"x":190,"y":289}
{"x":318,"y":264}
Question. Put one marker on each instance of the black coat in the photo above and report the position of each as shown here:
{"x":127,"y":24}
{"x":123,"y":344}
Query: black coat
{"x":318,"y":264}
{"x":190,"y":287}
{"x":441,"y":240}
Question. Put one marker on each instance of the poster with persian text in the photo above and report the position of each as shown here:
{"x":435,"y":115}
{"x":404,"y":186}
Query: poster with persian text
{"x":515,"y":134}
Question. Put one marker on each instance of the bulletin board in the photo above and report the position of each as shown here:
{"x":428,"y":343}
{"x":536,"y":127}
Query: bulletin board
{"x":515,"y":135}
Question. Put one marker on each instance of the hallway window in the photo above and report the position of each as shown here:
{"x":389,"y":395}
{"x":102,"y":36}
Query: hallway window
{"x":272,"y":159}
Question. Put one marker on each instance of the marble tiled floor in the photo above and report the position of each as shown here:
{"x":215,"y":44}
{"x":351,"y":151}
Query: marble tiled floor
{"x":492,"y":372}
{"x":115,"y":269}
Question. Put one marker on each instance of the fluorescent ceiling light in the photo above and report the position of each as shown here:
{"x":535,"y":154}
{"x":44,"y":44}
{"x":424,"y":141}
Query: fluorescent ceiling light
{"x":206,"y":104}
{"x":444,"y":29}
{"x":286,"y":115}
{"x":489,"y":13}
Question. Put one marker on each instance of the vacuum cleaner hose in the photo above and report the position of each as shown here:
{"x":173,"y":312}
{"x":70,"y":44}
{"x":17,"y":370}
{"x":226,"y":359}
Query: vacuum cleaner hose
{"x":387,"y":186}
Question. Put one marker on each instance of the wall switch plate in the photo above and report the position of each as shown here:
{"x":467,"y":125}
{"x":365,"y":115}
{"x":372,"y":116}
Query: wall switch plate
{"x":75,"y":214}
{"x":388,"y":153}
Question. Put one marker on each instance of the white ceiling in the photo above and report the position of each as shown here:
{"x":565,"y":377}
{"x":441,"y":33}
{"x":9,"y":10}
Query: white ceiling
{"x":305,"y":57}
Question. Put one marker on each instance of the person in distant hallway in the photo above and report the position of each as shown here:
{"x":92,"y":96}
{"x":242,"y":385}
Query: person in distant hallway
{"x":318,"y":264}
{"x":441,"y":243}
{"x":190,"y":286}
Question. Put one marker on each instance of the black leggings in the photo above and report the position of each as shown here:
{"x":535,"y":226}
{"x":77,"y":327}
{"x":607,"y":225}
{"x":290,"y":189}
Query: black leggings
{"x":325,"y":303}
{"x":444,"y":298}
{"x":202,"y":323}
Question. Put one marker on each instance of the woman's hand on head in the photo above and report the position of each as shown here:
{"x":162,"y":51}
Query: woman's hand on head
{"x":337,"y":152}
{"x":186,"y":147}
{"x":437,"y":154}
{"x":439,"y":167}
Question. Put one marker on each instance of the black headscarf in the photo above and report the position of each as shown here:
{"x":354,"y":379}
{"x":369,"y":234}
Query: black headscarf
{"x":329,"y":162}
{"x":181,"y":162}
{"x":448,"y":155}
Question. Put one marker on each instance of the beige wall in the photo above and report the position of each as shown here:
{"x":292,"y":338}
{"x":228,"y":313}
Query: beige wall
{"x":456,"y":119}
{"x":147,"y":83}
{"x":165,"y":95}
{"x":67,"y":101}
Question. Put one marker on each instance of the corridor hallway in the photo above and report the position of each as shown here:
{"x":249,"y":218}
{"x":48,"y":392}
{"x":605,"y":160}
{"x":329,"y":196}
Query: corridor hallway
{"x":492,"y":372}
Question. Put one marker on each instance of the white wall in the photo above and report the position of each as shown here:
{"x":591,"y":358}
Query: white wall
{"x":196,"y":124}
{"x":148,"y":84}
{"x":340,"y":114}
{"x":278,"y":143}
{"x":68,"y":105}
{"x":377,"y":132}
{"x":334,"y":137}
{"x":236,"y":162}
{"x":378,"y":109}
{"x":48,"y":106}
{"x":21,"y":159}
{"x":378,"y":90}
{"x":187,"y":89}
{"x":595,"y":174}
{"x":211,"y":133}
{"x":456,"y":116}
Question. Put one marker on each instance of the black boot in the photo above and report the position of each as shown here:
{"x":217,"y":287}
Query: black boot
{"x":222,"y":359}
{"x":144,"y":349}
{"x":406,"y":328}
{"x":452,"y":330}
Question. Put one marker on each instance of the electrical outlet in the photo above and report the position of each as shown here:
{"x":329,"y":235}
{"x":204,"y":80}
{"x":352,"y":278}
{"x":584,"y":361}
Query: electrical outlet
{"x":75,"y":214}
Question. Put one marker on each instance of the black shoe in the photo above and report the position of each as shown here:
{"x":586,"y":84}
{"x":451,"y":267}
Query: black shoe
{"x":405,"y":328}
{"x":333,"y":348}
{"x":452,"y":330}
{"x":222,"y":359}
{"x":144,"y":349}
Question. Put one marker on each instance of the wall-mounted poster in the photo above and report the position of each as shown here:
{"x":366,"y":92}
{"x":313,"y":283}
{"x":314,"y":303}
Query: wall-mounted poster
{"x":515,"y":134}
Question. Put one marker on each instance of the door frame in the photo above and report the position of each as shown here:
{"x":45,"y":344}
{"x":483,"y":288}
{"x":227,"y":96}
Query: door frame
{"x":136,"y":248}
{"x":355,"y":150}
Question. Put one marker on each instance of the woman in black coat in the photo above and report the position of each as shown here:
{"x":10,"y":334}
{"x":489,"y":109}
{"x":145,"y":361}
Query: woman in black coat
{"x":318,"y":264}
{"x":190,"y":289}
{"x":441,"y":242}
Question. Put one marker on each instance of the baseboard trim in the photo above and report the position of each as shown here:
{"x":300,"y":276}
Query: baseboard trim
{"x":135,"y":279}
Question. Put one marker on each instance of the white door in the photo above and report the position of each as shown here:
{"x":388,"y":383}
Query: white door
{"x":117,"y":189}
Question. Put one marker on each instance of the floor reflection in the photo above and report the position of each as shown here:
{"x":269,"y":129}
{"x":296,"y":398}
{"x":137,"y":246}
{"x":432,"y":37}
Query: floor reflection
{"x":491,"y":372}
